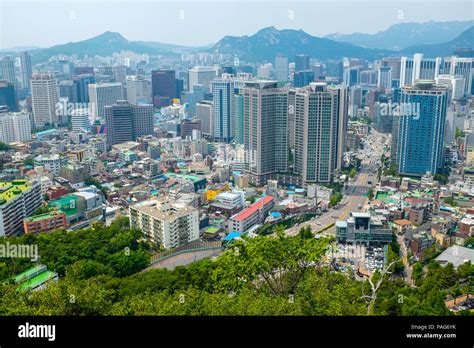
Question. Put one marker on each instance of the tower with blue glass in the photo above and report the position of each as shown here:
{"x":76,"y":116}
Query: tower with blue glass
{"x":420,"y":146}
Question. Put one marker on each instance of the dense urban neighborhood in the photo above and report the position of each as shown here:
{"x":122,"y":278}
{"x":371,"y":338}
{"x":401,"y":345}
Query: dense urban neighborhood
{"x":237,"y":179}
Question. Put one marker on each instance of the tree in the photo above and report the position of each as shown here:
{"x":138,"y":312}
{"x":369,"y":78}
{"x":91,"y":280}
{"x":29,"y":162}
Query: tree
{"x":352,"y":173}
{"x":305,"y":233}
{"x":375,"y":281}
{"x":4,"y":147}
{"x":275,"y":262}
{"x":335,"y":199}
{"x":28,"y":161}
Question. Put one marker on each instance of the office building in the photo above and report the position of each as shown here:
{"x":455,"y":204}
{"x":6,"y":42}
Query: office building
{"x":18,"y":200}
{"x":138,"y":90}
{"x":201,"y":75}
{"x":165,"y":225}
{"x":420,"y":141}
{"x":80,"y":120}
{"x":26,"y":70}
{"x":223,"y":101}
{"x":303,"y":78}
{"x":463,"y":66}
{"x":102,"y":95}
{"x":265,"y":130}
{"x":418,"y":68}
{"x":384,"y":78}
{"x":238,"y":118}
{"x":45,"y":98}
{"x":8,"y":96}
{"x":281,"y":68}
{"x":126,"y":122}
{"x":204,"y":111}
{"x":320,"y":118}
{"x":15,"y":127}
{"x":7,"y":69}
{"x":82,"y":83}
{"x":163,"y":86}
{"x":301,"y":63}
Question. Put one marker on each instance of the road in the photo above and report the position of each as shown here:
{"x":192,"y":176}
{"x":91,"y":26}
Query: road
{"x":356,"y":191}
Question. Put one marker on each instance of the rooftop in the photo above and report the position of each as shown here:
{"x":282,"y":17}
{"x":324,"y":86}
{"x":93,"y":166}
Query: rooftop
{"x":10,"y":190}
{"x":246,"y":213}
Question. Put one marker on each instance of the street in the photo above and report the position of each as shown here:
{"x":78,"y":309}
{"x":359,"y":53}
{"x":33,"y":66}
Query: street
{"x":356,"y":191}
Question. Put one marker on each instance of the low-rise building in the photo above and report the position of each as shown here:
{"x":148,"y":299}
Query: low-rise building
{"x":45,"y":223}
{"x":363,"y":228}
{"x":255,"y":214}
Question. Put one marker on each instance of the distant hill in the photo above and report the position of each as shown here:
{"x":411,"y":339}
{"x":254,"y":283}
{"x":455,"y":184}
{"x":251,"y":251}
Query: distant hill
{"x":267,"y":42}
{"x":403,"y":35}
{"x":465,"y":40}
{"x":104,"y":45}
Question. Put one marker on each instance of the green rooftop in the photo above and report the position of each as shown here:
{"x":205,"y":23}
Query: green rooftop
{"x":28,"y":273}
{"x":41,"y":217}
{"x":37,"y":280}
{"x":212,"y":230}
{"x":10,"y":190}
{"x":67,"y":204}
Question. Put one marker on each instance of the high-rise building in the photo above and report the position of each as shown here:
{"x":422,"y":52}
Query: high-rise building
{"x":238,"y":118}
{"x":44,"y":95}
{"x":164,"y":224}
{"x":201,"y":75}
{"x":18,"y":200}
{"x":463,"y":66}
{"x":126,"y":122}
{"x":80,"y":120}
{"x":420,"y":146}
{"x":265,"y":130}
{"x":320,"y":115}
{"x":418,"y":68}
{"x":138,"y":90}
{"x":301,"y":62}
{"x":102,"y":95}
{"x":68,"y":89}
{"x":385,"y":77}
{"x":223,"y":98}
{"x":15,"y":127}
{"x":26,"y":70}
{"x":163,"y":86}
{"x":204,"y":114}
{"x":7,"y":69}
{"x":8,"y":96}
{"x":303,"y":78}
{"x":82,"y":83}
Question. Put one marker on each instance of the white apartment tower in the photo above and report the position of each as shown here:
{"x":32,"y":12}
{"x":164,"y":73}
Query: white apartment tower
{"x":45,"y":98}
{"x":164,"y":224}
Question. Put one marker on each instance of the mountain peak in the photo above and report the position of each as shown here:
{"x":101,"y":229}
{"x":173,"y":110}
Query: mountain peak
{"x":110,"y":36}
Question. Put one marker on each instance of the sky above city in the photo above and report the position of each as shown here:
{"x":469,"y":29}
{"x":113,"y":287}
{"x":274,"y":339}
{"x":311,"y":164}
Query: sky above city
{"x":197,"y":23}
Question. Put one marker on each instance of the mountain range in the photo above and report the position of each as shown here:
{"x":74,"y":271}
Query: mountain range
{"x":265,"y":44}
{"x":404,"y":35}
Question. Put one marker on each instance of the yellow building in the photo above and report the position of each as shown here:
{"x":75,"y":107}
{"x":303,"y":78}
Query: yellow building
{"x":211,"y":193}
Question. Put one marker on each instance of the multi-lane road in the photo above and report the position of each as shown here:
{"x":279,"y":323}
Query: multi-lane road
{"x":355,"y":194}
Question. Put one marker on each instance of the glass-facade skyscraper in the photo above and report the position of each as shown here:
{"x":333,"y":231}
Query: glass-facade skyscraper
{"x":420,"y":141}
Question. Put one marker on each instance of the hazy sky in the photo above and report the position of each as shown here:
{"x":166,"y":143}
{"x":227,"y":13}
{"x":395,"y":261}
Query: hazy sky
{"x":46,"y":23}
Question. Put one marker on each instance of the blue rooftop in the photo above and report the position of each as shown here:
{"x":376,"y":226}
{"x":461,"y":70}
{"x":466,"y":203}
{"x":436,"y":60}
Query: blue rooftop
{"x":231,"y":236}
